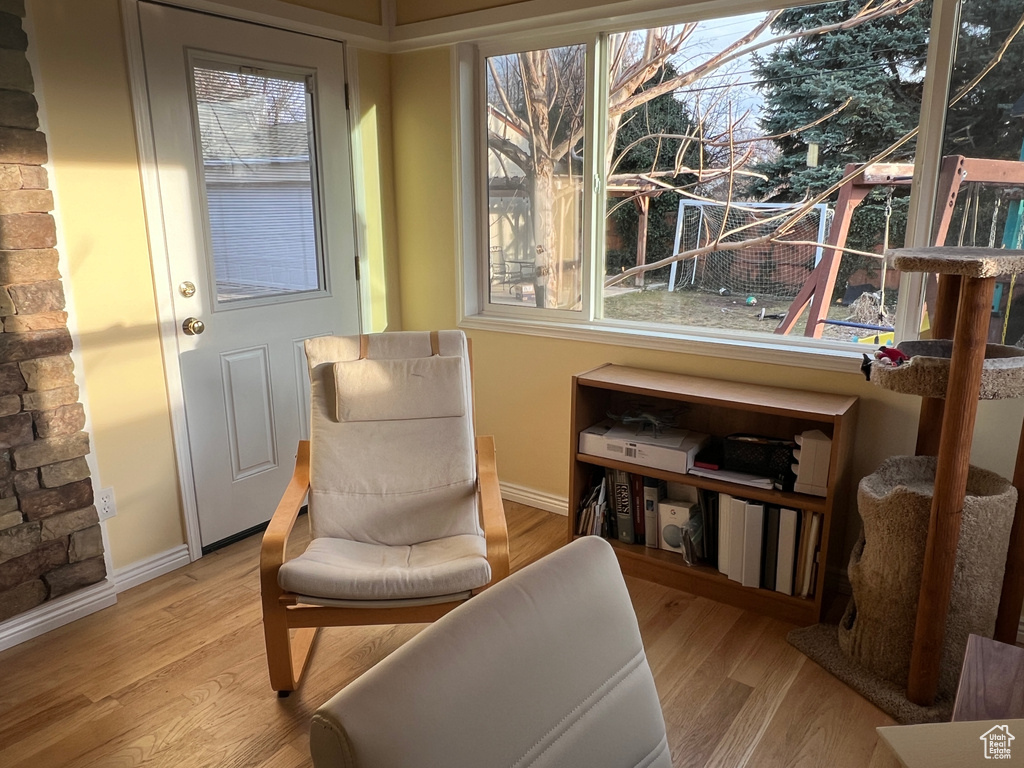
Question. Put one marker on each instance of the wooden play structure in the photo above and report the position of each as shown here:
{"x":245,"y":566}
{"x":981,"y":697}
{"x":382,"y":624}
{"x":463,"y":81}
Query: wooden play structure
{"x":955,"y":171}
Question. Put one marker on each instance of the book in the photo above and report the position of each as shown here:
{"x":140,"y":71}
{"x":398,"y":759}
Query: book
{"x":622,"y":496}
{"x":585,"y":512}
{"x":724,"y":505}
{"x":737,"y":523}
{"x":653,"y":492}
{"x":636,"y":506}
{"x":753,"y":535}
{"x":740,"y":478}
{"x":810,"y":571}
{"x":707,"y":504}
{"x":611,"y":522}
{"x":789,"y":524}
{"x":770,"y":547}
{"x":801,"y":551}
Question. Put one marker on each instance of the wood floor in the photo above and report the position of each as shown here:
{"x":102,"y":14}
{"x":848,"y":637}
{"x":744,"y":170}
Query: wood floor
{"x":174,"y":675}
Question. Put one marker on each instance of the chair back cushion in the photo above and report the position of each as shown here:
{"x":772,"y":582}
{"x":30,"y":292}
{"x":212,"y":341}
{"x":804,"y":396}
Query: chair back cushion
{"x":392,"y":453}
{"x":546,"y":669}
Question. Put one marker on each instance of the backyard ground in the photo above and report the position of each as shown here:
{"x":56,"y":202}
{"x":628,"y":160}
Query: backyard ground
{"x":698,"y":309}
{"x":709,"y":310}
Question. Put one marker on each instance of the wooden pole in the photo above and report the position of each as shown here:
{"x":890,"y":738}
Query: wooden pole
{"x":643,"y":204}
{"x":950,"y":486}
{"x":1011,"y":600}
{"x":929,"y":426}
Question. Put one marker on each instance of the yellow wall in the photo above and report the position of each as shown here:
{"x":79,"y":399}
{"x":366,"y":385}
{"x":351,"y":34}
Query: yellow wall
{"x":522,"y":382}
{"x":80,"y":52}
{"x":364,"y":10}
{"x":424,"y":200}
{"x":375,"y":127}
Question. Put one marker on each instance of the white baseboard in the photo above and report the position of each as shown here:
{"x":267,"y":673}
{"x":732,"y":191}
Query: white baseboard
{"x":520,"y":494}
{"x":144,"y":570}
{"x":57,"y":613}
{"x":77,"y":605}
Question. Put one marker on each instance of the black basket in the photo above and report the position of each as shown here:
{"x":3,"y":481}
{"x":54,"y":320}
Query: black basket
{"x":765,"y":456}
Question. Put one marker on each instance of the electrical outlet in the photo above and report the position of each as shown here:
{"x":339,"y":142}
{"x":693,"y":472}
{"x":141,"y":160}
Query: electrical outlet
{"x":105,"y":503}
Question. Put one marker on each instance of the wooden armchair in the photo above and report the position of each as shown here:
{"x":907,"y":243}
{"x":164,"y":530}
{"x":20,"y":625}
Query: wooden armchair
{"x":405,"y":512}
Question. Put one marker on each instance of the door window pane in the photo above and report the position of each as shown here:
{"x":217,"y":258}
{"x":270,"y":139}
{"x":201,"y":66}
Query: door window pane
{"x":256,"y":141}
{"x":535,"y":176}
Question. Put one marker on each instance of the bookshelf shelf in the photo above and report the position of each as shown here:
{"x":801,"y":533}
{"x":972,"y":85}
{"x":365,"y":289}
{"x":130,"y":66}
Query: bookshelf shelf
{"x":798,"y":500}
{"x":718,"y":408}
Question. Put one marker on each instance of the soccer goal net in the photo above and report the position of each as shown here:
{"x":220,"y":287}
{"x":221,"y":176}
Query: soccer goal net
{"x":776,"y":269}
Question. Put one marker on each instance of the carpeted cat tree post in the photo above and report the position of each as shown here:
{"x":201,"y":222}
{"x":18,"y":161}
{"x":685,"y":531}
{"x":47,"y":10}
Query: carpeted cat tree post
{"x":937,"y":546}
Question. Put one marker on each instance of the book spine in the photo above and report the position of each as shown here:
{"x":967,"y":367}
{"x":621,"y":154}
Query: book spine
{"x":611,"y":518}
{"x":724,"y":527}
{"x":753,"y":535}
{"x":636,"y":506}
{"x":652,"y":495}
{"x":623,"y":512}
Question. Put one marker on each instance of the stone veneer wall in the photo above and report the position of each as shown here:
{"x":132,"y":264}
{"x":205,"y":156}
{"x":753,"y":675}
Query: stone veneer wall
{"x":50,"y":542}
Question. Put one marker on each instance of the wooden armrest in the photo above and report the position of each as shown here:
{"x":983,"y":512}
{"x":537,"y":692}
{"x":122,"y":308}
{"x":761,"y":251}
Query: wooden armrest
{"x":491,"y":509}
{"x":275,"y":539}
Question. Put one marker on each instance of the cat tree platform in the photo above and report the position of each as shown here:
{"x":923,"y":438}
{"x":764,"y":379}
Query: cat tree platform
{"x":926,"y":374}
{"x":962,"y":262}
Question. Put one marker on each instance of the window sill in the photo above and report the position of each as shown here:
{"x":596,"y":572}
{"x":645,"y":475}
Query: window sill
{"x":769,"y":350}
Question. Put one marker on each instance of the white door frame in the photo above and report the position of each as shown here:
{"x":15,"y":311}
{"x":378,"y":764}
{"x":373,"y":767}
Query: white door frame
{"x":161,"y":263}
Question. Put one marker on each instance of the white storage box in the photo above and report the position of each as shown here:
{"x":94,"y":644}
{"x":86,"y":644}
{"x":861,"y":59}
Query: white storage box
{"x":672,"y":450}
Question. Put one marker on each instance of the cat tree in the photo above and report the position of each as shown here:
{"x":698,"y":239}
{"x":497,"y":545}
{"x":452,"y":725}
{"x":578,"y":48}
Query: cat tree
{"x":952,"y":377}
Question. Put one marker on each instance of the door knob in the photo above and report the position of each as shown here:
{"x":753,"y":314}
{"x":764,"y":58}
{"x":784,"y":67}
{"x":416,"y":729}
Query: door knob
{"x":193,"y":326}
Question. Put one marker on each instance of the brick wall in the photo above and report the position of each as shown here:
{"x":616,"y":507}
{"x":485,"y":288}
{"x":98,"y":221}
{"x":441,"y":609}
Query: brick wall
{"x":50,"y":541}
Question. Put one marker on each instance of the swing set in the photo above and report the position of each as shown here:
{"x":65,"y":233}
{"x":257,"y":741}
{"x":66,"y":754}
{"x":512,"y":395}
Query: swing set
{"x":955,"y":172}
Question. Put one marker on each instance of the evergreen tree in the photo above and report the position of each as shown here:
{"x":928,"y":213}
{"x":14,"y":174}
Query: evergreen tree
{"x":979,"y":125}
{"x":878,"y":66}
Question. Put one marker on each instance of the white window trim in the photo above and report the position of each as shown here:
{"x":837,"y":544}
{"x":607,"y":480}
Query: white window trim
{"x":474,"y":312}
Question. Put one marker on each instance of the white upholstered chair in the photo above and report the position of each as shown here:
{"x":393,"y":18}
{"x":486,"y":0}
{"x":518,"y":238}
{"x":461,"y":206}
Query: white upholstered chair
{"x":545,"y":670}
{"x":404,"y":508}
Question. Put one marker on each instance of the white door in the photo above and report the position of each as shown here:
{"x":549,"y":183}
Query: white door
{"x":252,"y":145}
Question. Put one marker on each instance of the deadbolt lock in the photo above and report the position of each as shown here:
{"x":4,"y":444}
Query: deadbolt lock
{"x":188,"y":289}
{"x":193,"y":326}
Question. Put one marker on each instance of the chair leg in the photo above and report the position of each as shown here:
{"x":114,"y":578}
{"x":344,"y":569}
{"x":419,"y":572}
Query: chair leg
{"x":287,"y":655}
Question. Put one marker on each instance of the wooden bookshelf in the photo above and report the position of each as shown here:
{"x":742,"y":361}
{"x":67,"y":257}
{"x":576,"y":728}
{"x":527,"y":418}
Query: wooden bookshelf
{"x":718,"y":408}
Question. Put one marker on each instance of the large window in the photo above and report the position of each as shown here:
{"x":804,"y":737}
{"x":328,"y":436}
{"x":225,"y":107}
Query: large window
{"x":748,"y":171}
{"x":535,"y":144}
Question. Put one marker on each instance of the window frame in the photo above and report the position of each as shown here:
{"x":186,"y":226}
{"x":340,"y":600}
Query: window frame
{"x":476,"y":312}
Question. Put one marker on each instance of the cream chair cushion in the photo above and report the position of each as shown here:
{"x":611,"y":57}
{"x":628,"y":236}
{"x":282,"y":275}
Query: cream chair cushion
{"x":339,"y":569}
{"x":544,"y":669}
{"x":393,"y":390}
{"x":386,"y":481}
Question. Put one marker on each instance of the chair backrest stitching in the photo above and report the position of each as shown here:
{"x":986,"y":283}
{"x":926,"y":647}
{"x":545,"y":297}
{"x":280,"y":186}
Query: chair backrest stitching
{"x":586,"y":704}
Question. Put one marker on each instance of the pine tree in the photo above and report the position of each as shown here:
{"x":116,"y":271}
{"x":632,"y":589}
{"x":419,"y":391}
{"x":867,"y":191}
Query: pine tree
{"x":878,"y":66}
